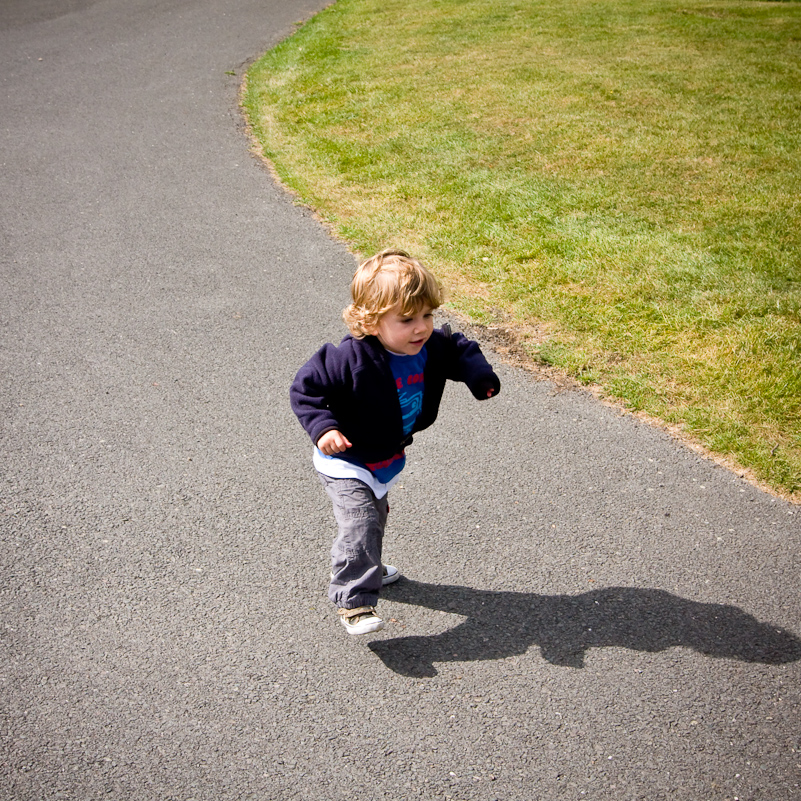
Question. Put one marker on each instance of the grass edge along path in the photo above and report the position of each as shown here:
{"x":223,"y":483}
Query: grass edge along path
{"x":615,"y":183}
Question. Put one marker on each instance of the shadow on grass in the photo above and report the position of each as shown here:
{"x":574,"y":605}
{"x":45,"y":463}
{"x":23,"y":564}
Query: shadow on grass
{"x":502,"y":624}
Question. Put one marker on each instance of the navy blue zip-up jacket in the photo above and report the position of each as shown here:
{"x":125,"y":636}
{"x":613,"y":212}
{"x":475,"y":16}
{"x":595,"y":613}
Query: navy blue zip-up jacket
{"x":349,"y":387}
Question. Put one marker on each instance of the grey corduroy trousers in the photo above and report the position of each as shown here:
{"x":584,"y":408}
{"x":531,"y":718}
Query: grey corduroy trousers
{"x":356,"y":554}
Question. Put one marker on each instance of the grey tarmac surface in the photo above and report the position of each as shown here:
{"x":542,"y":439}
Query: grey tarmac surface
{"x":589,"y":609}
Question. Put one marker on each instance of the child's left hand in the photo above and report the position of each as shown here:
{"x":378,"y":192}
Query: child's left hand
{"x":488,"y":388}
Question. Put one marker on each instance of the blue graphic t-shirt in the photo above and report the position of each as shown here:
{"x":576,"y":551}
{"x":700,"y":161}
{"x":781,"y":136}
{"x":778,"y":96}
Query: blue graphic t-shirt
{"x":408,"y":374}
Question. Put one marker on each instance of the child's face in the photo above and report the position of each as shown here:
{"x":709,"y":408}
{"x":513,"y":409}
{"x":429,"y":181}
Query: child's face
{"x":404,"y":334}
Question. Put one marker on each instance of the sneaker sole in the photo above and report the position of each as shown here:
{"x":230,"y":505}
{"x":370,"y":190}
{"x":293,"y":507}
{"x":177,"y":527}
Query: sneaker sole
{"x":367,"y":627}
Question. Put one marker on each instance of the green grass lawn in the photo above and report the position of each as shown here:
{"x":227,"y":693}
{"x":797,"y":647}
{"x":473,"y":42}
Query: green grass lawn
{"x":623,"y":178}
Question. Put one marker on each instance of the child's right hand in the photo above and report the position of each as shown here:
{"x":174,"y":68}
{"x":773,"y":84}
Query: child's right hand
{"x":333,"y":442}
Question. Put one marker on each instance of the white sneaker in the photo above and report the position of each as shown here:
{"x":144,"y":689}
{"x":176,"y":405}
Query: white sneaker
{"x":390,"y":574}
{"x":361,"y":620}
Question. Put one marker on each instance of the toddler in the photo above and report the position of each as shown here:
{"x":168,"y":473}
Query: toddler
{"x":362,"y":401}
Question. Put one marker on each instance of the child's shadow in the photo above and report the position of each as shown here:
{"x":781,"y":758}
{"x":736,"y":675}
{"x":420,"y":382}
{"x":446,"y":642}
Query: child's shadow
{"x":502,"y":624}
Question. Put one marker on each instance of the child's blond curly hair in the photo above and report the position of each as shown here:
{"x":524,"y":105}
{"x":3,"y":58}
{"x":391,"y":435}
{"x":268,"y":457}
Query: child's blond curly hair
{"x":389,"y":279}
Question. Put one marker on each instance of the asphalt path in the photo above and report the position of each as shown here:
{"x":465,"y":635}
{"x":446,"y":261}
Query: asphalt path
{"x":589,"y":609}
